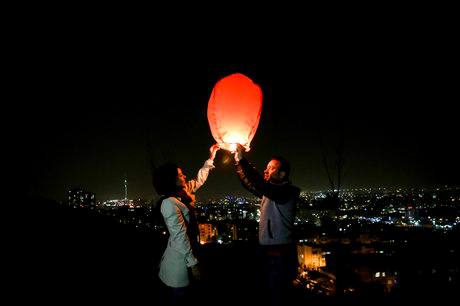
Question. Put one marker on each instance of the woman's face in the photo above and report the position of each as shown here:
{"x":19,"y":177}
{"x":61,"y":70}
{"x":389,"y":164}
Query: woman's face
{"x":180,"y":181}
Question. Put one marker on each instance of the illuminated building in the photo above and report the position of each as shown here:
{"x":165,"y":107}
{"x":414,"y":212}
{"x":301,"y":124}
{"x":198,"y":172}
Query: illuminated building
{"x":207,"y":232}
{"x":310,"y":258}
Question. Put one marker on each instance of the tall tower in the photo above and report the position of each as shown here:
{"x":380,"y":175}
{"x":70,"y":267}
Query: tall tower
{"x":126,"y":188}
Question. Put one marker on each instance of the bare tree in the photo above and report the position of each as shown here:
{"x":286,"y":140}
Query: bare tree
{"x":333,"y":162}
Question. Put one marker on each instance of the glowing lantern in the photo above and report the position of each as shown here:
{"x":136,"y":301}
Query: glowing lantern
{"x":234,"y":110}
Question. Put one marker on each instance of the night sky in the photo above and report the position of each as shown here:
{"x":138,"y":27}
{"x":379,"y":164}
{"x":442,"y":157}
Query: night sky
{"x":96,"y":104}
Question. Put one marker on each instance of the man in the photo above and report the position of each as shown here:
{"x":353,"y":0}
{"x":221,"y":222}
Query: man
{"x":277,"y":214}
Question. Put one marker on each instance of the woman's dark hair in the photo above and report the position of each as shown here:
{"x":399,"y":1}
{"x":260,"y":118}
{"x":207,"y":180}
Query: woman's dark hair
{"x":164,"y":179}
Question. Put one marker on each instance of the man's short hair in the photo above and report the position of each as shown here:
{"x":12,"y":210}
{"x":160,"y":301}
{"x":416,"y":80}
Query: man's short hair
{"x":285,"y":165}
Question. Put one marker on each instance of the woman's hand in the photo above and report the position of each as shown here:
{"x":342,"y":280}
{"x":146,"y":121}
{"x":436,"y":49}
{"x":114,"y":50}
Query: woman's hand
{"x":213,"y":150}
{"x":196,"y":272}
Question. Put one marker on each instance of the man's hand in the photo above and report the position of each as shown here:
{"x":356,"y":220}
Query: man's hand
{"x":213,"y":150}
{"x":238,"y":153}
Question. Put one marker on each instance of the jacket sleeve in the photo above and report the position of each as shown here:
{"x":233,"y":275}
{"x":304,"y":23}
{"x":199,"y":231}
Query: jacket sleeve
{"x":177,"y":228}
{"x":194,"y":184}
{"x":248,"y":175}
{"x":255,"y":183}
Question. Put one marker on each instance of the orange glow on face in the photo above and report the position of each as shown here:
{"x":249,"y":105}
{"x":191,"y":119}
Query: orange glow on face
{"x":180,"y":181}
{"x":234,"y":110}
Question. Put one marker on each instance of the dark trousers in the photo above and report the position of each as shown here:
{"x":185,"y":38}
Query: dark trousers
{"x":179,"y":296}
{"x":170,"y":296}
{"x":279,"y":270}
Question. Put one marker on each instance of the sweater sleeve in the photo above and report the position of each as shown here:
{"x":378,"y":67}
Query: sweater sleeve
{"x":255,"y":183}
{"x":248,"y":175}
{"x":194,"y":184}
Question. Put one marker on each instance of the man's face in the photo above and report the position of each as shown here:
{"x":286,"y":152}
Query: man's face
{"x":273,"y":171}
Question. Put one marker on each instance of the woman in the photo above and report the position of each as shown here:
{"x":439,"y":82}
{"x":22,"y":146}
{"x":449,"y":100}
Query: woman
{"x":177,"y":208}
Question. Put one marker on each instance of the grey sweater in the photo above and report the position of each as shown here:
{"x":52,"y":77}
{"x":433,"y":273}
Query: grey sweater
{"x":277,"y":208}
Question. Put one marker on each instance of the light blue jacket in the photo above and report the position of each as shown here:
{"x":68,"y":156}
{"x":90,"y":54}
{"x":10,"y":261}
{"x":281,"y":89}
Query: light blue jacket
{"x":178,"y":255}
{"x":277,"y":208}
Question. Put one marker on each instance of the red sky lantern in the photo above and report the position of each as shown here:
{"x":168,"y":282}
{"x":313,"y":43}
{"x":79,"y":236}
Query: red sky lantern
{"x":234,"y":110}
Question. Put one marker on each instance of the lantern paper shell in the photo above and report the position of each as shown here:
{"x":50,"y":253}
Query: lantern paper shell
{"x":234,"y":110}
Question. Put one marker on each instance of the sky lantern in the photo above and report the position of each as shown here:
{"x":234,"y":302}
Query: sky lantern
{"x":234,"y":110}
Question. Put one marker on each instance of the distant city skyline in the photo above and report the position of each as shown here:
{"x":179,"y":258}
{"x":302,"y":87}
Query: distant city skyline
{"x":122,"y":195}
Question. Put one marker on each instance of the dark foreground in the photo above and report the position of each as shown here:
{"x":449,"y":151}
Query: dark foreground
{"x":55,"y":255}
